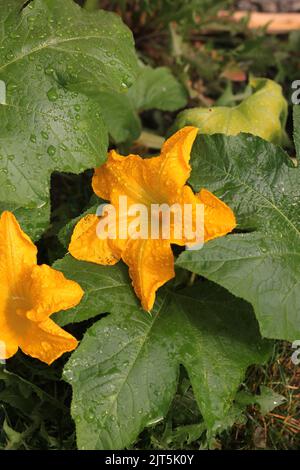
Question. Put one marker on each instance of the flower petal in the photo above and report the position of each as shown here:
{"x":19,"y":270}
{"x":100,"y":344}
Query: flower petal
{"x":17,"y":251}
{"x":169,"y":172}
{"x":46,"y":341}
{"x":36,"y":290}
{"x":51,"y":292}
{"x":122,"y":176}
{"x":17,"y":256}
{"x":160,"y":181}
{"x":219,"y":219}
{"x":85,"y":244}
{"x":151,"y":264}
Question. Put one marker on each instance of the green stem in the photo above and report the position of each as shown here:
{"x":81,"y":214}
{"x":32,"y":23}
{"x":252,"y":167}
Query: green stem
{"x":192,"y":279}
{"x":150,"y":140}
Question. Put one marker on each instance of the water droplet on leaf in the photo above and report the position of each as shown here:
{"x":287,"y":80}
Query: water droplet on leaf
{"x":52,"y":94}
{"x":51,"y":150}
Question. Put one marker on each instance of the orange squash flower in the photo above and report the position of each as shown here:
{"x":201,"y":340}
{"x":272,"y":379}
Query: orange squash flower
{"x":29,"y":294}
{"x":148,"y":181}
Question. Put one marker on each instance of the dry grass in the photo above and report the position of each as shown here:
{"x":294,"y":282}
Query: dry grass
{"x":279,"y":429}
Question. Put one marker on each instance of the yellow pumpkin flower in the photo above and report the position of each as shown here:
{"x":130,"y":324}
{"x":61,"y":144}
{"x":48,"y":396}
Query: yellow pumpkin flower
{"x":156,"y":180}
{"x":29,"y":294}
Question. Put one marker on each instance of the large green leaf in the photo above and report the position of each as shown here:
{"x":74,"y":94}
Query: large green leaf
{"x":153,"y":89}
{"x":54,"y":60}
{"x":124,"y":373}
{"x":33,"y":220}
{"x":264,"y":114}
{"x":120,"y":116}
{"x":157,"y":89}
{"x":106,"y":289}
{"x":259,"y":182}
{"x":267,"y":399}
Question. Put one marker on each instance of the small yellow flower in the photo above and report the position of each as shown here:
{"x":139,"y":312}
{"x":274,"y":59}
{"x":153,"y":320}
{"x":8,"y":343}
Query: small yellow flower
{"x":156,"y":180}
{"x":29,"y":294}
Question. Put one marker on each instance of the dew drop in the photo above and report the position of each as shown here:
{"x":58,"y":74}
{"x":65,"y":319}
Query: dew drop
{"x":89,"y":416}
{"x":68,"y":375}
{"x":49,"y":70}
{"x":51,"y":150}
{"x":52,"y":94}
{"x":44,"y":135}
{"x":9,"y":56}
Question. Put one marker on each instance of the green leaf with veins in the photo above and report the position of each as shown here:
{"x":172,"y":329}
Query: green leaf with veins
{"x":54,"y":60}
{"x":120,"y":116}
{"x":157,"y":89}
{"x":267,"y":399}
{"x":153,"y":89}
{"x":118,"y":388}
{"x":261,"y":184}
{"x":106,"y":289}
{"x":264,"y":113}
{"x":33,"y":220}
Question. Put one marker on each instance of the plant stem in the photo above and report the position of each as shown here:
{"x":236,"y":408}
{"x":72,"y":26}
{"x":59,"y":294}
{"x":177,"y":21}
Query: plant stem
{"x":192,"y":279}
{"x":150,"y":140}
